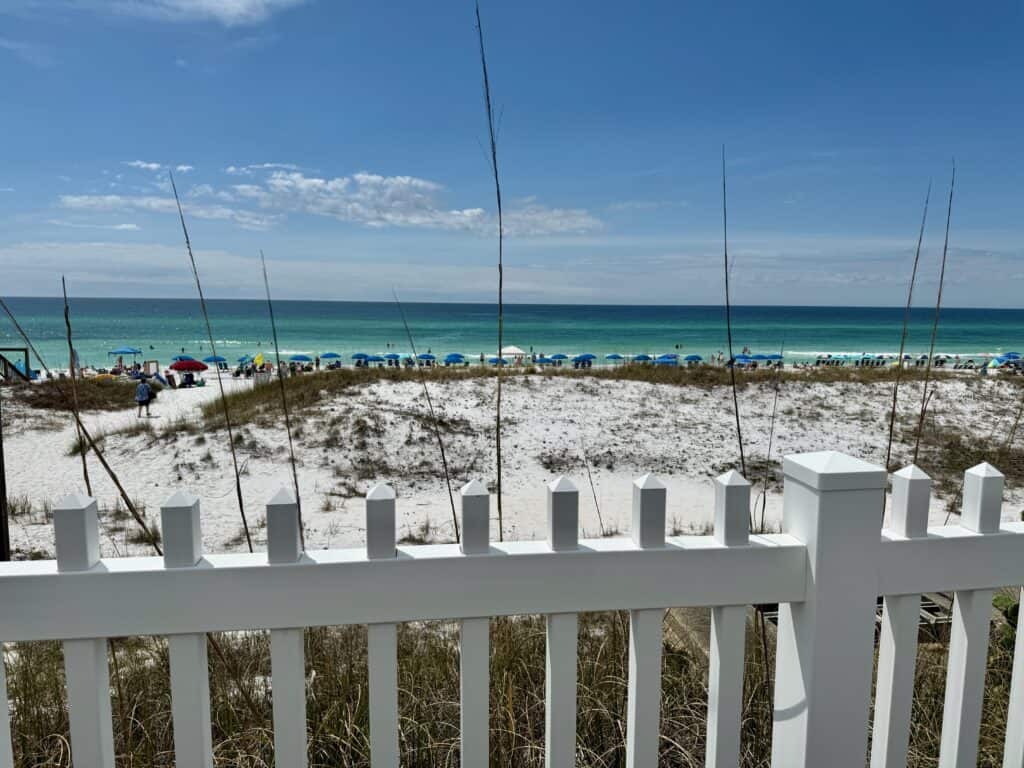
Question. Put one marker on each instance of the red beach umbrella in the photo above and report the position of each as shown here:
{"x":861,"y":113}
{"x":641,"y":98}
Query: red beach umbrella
{"x":188,"y":365}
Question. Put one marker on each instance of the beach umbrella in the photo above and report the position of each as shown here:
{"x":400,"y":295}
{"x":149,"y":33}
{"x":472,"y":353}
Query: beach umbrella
{"x":301,"y":359}
{"x":693,"y":358}
{"x":668,"y":356}
{"x":773,"y":356}
{"x":425,"y":356}
{"x":642,"y":358}
{"x":125,"y":351}
{"x":495,"y":360}
{"x":613,"y":356}
{"x":512,"y":350}
{"x":374,"y":359}
{"x":189,"y":365}
{"x":215,"y":359}
{"x":455,"y":357}
{"x":743,"y":358}
{"x":759,"y":357}
{"x":559,"y":356}
{"x":1011,"y":355}
{"x":329,"y":356}
{"x":244,"y":358}
{"x":179,"y":358}
{"x":586,"y":356}
{"x":545,"y":360}
{"x":360,"y":356}
{"x":666,"y":361}
{"x":392,"y":356}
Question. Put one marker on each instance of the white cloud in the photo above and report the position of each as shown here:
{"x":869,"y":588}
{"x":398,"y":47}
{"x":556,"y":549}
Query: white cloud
{"x":84,"y":225}
{"x":31,"y":53}
{"x":184,"y":168}
{"x":228,"y":12}
{"x":646,"y":205}
{"x":6,"y":189}
{"x":166,"y":205}
{"x":142,"y":165}
{"x":248,"y":170}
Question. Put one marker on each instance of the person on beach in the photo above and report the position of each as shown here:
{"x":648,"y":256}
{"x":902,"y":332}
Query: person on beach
{"x":143,"y":394}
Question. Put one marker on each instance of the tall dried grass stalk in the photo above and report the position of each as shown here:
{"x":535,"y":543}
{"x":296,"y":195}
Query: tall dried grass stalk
{"x":72,"y":372}
{"x":501,"y":263}
{"x":728,"y":320}
{"x":213,"y":351}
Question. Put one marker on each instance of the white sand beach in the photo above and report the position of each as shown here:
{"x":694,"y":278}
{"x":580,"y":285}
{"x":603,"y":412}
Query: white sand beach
{"x":380,"y":433}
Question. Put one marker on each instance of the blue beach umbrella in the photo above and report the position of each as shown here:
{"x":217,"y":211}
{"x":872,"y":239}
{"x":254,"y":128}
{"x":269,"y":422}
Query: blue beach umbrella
{"x":215,"y":359}
{"x":693,"y":359}
{"x":666,"y":361}
{"x":374,"y":359}
{"x":495,"y":361}
{"x":545,"y":360}
{"x":1011,"y":355}
{"x":301,"y":359}
{"x":586,"y":356}
{"x":642,"y":358}
{"x":759,"y":357}
{"x":773,"y":356}
{"x":245,"y":359}
{"x":329,"y":356}
{"x":613,"y":356}
{"x":668,"y":356}
{"x":426,"y":356}
{"x":455,"y":357}
{"x":360,"y":356}
{"x":392,"y":356}
{"x":559,"y":356}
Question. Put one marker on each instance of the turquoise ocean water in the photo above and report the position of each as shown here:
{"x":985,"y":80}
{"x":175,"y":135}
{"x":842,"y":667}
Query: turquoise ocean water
{"x":163,"y":327}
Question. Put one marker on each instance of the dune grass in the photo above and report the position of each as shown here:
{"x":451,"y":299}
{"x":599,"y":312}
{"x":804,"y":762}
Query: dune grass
{"x":93,"y":395}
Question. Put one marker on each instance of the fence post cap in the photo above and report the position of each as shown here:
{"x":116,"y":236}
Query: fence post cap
{"x":474,"y":488}
{"x":381,"y":492}
{"x":75,"y":501}
{"x":732,"y":477}
{"x":834,"y":471}
{"x":562,"y":484}
{"x":284,"y":497}
{"x":985,"y":470}
{"x":649,"y":482}
{"x":912,"y":472}
{"x":179,"y":500}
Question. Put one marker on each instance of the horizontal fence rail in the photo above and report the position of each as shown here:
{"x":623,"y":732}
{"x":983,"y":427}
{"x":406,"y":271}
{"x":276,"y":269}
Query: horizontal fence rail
{"x":825,"y":570}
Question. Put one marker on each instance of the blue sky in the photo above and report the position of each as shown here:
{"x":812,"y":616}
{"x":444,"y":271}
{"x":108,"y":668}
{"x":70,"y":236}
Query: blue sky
{"x":347,"y":141}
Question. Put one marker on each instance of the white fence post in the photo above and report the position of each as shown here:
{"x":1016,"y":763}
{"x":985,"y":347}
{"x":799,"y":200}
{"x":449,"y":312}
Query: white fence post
{"x":1013,"y":754}
{"x":645,"y":635}
{"x":562,"y":628}
{"x":190,"y":674}
{"x":287,"y":652}
{"x":728,"y":631}
{"x":76,"y":530}
{"x":897,"y":644}
{"x":832,"y":503}
{"x":382,"y":639}
{"x":474,"y":637}
{"x":968,"y":641}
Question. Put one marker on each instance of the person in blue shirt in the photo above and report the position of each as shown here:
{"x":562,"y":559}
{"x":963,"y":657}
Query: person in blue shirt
{"x":143,"y":394}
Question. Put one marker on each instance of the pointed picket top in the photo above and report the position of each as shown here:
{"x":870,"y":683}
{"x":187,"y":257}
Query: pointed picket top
{"x":732,"y":477}
{"x":180,"y":499}
{"x":912,"y":472}
{"x":562,"y":484}
{"x":649,"y":482}
{"x":74,"y":501}
{"x":985,"y":470}
{"x":381,"y":492}
{"x":283,"y":497}
{"x":474,"y":488}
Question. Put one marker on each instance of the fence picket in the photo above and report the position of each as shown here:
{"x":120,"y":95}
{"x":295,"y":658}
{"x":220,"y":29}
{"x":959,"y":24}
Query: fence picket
{"x":190,"y":678}
{"x":728,"y":631}
{"x":76,"y":532}
{"x":897,"y":645}
{"x":382,"y":639}
{"x":968,"y":641}
{"x":287,"y":653}
{"x":645,"y":635}
{"x":562,"y":629}
{"x":1013,"y":755}
{"x":474,"y":637}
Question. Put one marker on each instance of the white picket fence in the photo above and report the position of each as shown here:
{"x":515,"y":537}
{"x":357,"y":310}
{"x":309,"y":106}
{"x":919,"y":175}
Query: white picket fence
{"x":826,"y":570}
